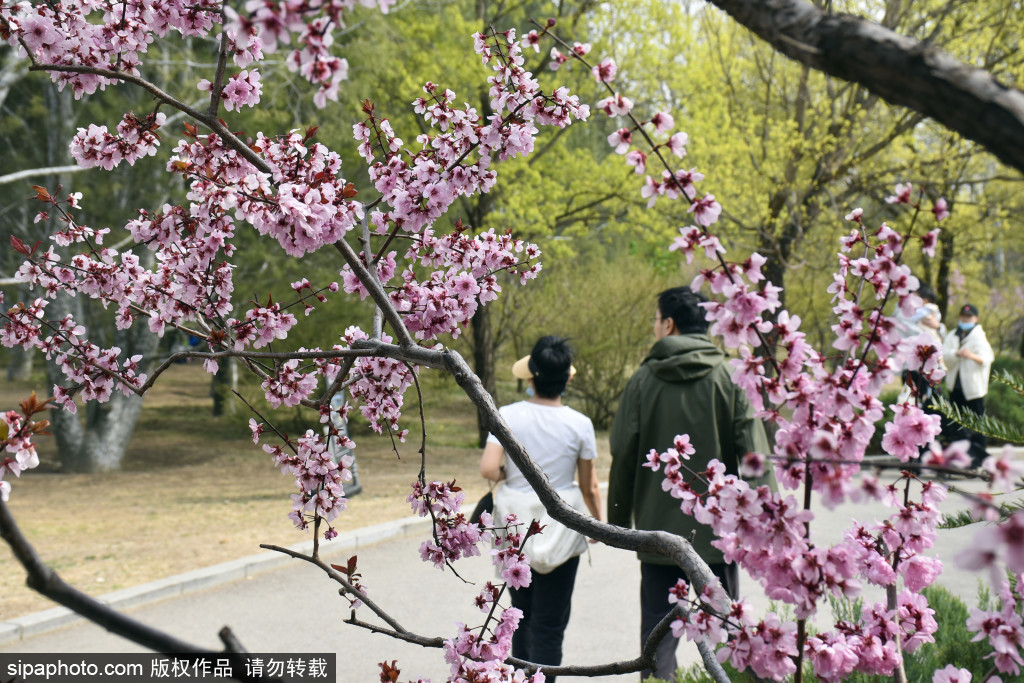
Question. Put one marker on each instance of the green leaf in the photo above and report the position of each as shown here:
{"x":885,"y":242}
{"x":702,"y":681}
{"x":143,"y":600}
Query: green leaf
{"x":962,"y":518}
{"x":1015,"y":382}
{"x":989,"y":426}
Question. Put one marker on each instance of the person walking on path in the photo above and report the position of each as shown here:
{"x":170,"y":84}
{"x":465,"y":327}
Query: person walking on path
{"x":561,"y":441}
{"x":968,"y":357}
{"x":682,"y":387}
{"x":926,"y":319}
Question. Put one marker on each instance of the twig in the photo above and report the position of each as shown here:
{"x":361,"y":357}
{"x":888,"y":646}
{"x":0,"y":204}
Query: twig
{"x":348,"y":586}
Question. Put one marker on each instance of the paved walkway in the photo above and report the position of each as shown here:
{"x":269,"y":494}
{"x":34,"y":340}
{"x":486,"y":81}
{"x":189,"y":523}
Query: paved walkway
{"x":293,"y":608}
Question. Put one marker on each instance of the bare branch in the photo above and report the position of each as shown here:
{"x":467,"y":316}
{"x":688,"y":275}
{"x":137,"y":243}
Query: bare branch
{"x":33,"y":172}
{"x":346,"y":584}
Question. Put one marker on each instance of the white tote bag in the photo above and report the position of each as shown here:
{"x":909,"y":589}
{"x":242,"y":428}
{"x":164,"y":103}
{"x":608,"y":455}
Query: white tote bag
{"x":556,"y":544}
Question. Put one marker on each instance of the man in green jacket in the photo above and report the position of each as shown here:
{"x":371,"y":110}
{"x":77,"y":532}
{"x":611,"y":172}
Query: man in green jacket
{"x":682,"y":387}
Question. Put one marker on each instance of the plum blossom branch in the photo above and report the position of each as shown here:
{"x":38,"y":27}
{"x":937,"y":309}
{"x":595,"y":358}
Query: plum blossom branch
{"x":349,"y":587}
{"x":212,"y":123}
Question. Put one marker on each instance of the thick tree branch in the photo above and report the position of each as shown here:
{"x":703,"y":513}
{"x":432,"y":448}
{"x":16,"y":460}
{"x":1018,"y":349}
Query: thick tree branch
{"x":395,"y":630}
{"x":377,"y":293}
{"x":900,"y":69}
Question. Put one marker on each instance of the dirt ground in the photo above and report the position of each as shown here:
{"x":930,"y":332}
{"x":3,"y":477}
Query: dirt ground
{"x":195,"y":491}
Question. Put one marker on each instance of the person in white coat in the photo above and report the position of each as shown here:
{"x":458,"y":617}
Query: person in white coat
{"x":968,"y":357}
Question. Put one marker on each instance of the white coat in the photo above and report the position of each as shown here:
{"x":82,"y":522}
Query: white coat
{"x":973,"y":375}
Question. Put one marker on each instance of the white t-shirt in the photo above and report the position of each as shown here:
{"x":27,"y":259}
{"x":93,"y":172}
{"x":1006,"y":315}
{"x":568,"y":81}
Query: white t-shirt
{"x":554,"y":436}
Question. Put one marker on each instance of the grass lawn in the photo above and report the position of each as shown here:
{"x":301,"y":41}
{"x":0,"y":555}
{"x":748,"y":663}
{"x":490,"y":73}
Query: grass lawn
{"x":194,"y":490}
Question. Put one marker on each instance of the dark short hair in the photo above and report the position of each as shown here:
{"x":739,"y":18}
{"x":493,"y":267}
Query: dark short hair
{"x":927,"y":294}
{"x":682,"y":305}
{"x":550,"y":363}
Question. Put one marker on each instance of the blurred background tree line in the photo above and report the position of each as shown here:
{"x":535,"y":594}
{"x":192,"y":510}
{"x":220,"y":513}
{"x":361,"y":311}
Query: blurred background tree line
{"x":787,"y":151}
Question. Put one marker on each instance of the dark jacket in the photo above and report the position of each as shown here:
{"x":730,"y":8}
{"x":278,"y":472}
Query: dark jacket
{"x":683,"y":387}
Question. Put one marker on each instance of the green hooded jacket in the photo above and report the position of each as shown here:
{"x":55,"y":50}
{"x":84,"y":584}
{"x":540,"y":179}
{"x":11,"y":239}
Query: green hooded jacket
{"x":683,"y":387}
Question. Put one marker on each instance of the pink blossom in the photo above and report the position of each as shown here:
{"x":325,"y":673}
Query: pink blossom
{"x":532,"y":39}
{"x":663,"y":122}
{"x":902,"y":196}
{"x":616,"y":105}
{"x":920,"y":571}
{"x":928,"y":242}
{"x":517,"y":574}
{"x":557,"y":59}
{"x":580,"y":49}
{"x":705,"y":210}
{"x":951,"y":674}
{"x":1005,"y":472}
{"x":637,"y":159}
{"x":677,"y":144}
{"x":606,"y":70}
{"x":940,"y":209}
{"x":621,"y":140}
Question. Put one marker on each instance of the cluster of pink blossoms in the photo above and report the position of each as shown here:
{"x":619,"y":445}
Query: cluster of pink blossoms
{"x":1003,"y":628}
{"x":17,"y":453}
{"x":114,"y":36}
{"x":264,"y":26}
{"x":103,"y":35}
{"x":378,"y":383}
{"x":456,"y":161}
{"x":444,"y":300}
{"x":304,"y":202}
{"x":320,"y":480}
{"x":765,"y":532}
{"x":92,"y":372}
{"x":477,"y":654}
{"x":242,"y":89}
{"x":291,"y":188}
{"x":135,"y":138}
{"x":454,"y":535}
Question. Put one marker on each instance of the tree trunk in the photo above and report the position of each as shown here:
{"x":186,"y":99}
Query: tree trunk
{"x":483,"y":362}
{"x":19,"y":364}
{"x":97,"y":440}
{"x":221,"y":386}
{"x":946,"y":254}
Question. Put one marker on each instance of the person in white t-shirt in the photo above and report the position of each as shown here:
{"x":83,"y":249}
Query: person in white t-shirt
{"x":561,"y":442}
{"x":968,"y":357}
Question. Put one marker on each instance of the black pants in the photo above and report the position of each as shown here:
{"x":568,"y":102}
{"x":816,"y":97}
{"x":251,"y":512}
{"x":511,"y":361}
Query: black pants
{"x":955,"y":432}
{"x":545,"y":604}
{"x":655,"y":582}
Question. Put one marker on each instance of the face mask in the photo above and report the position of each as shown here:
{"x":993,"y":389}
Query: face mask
{"x":966,"y":326}
{"x":529,"y":391}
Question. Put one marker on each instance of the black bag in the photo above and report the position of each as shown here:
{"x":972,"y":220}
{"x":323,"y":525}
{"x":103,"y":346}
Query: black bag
{"x":486,"y":504}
